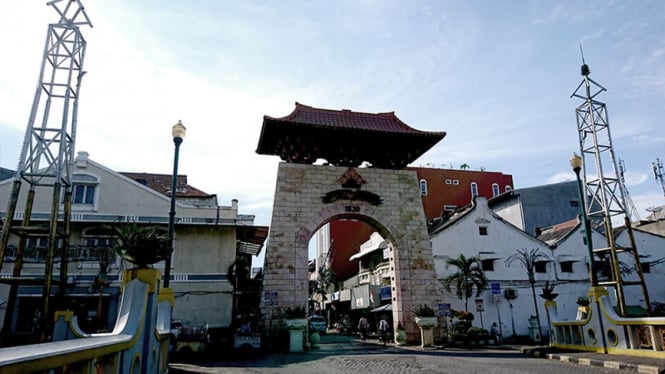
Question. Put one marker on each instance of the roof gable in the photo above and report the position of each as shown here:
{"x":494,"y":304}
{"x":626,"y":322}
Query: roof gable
{"x":554,"y":234}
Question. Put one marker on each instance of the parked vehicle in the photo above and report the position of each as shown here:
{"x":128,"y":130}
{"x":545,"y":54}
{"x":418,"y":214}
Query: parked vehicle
{"x":345,"y":327}
{"x":190,"y":339}
{"x":317,"y":324}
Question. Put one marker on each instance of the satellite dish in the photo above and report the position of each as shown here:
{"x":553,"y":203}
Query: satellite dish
{"x":654,"y":209}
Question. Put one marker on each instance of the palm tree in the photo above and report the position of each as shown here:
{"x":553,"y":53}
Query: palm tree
{"x":464,"y":166}
{"x":528,"y":259}
{"x":470,"y":275}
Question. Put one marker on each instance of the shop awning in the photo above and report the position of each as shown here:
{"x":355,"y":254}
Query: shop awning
{"x":383,"y":308}
{"x":250,"y":239}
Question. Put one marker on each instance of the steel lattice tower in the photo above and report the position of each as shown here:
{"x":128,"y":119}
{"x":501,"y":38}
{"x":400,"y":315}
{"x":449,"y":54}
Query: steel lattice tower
{"x":47,"y":154}
{"x":658,"y":173}
{"x":603,"y":191}
{"x":631,"y":210}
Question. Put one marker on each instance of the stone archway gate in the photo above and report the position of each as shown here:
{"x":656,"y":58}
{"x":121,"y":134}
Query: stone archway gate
{"x":308,"y":196}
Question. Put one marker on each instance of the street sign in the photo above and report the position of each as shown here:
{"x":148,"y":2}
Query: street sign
{"x":496,"y":288}
{"x":444,"y":309}
{"x":479,"y":305}
{"x":270,"y":298}
{"x":496,"y":298}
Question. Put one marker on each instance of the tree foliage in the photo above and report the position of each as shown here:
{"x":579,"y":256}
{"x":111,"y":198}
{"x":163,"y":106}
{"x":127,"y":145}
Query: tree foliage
{"x":141,"y":245}
{"x":527,"y":258}
{"x":468,"y":278}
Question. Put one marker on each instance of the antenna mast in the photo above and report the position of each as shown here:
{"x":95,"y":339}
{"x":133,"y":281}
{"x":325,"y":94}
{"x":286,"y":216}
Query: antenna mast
{"x":658,"y":173}
{"x":47,"y":159}
{"x":631,"y":211}
{"x":604,"y":196}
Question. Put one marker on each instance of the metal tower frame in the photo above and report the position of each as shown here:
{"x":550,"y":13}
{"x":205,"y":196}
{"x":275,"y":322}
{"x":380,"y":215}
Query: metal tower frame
{"x":604,"y":198}
{"x":658,"y":173}
{"x":631,"y":211}
{"x":47,"y":155}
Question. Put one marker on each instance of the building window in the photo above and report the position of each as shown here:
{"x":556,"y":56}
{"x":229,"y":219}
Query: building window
{"x":96,"y":243}
{"x":574,"y":203}
{"x":567,"y":267}
{"x":646,"y":267}
{"x":36,"y":249}
{"x":508,"y":188}
{"x":83,"y":189}
{"x":474,"y":189}
{"x":495,"y":190}
{"x":423,"y":187}
{"x":455,"y":182}
{"x":449,"y":181}
{"x":540,"y":267}
{"x":482,"y":230}
{"x":487,"y":265}
{"x":83,"y":194}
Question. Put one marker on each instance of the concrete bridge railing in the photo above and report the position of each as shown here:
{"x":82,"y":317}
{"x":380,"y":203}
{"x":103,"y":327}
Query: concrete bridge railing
{"x":602,"y":330}
{"x":139,"y":342}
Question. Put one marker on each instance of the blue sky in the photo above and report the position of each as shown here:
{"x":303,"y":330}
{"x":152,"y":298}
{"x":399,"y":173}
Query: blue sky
{"x":495,"y":75}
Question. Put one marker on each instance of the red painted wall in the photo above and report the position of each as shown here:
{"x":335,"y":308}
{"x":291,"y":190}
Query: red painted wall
{"x":440,"y":192}
{"x":349,"y":235}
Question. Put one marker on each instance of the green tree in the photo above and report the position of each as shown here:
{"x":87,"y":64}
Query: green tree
{"x":528,"y":258}
{"x":464,"y":166}
{"x":322,"y":285}
{"x":469,"y":277}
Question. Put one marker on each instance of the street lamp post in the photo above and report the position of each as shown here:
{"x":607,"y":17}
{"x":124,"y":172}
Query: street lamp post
{"x":576,"y":164}
{"x":178,"y":131}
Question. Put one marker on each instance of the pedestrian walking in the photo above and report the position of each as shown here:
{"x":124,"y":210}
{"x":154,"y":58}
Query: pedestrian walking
{"x":363,"y":325}
{"x":494,"y":332}
{"x":383,"y":329}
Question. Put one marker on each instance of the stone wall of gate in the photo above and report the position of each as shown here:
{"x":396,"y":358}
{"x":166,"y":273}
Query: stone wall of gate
{"x":299,"y":210}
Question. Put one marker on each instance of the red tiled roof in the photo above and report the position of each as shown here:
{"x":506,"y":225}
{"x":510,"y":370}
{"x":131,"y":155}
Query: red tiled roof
{"x":383,"y":122}
{"x":344,"y":138}
{"x":162,"y":184}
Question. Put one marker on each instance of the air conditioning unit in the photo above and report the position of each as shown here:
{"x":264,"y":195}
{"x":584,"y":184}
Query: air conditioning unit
{"x":510,"y":293}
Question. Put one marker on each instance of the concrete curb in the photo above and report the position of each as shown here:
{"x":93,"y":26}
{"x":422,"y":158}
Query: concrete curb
{"x":610,"y":364}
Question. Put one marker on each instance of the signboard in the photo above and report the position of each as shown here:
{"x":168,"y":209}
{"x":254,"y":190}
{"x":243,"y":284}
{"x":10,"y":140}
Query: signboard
{"x":270,"y":298}
{"x":444,"y":310}
{"x":479,"y":305}
{"x":496,"y":288}
{"x":496,"y":298}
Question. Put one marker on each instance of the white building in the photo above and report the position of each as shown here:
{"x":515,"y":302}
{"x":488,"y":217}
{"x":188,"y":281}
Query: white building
{"x":477,"y":231}
{"x":210,"y":242}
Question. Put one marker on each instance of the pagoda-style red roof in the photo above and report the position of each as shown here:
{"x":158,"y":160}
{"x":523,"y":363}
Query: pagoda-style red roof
{"x":344,"y":137}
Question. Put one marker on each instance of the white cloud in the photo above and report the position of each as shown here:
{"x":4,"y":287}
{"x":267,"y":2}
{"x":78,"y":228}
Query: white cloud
{"x":497,"y":80}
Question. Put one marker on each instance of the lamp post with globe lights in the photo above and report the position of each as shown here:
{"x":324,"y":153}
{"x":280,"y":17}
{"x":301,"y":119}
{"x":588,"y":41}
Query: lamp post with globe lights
{"x":178,"y":131}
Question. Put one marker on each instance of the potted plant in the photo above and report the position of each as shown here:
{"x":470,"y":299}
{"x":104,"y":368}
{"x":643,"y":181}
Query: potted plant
{"x":424,"y":315}
{"x":141,"y":245}
{"x":400,"y":334}
{"x":425,"y":318}
{"x":296,"y":318}
{"x":296,"y":322}
{"x":583,"y":307}
{"x":548,"y":292}
{"x":583,"y":301}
